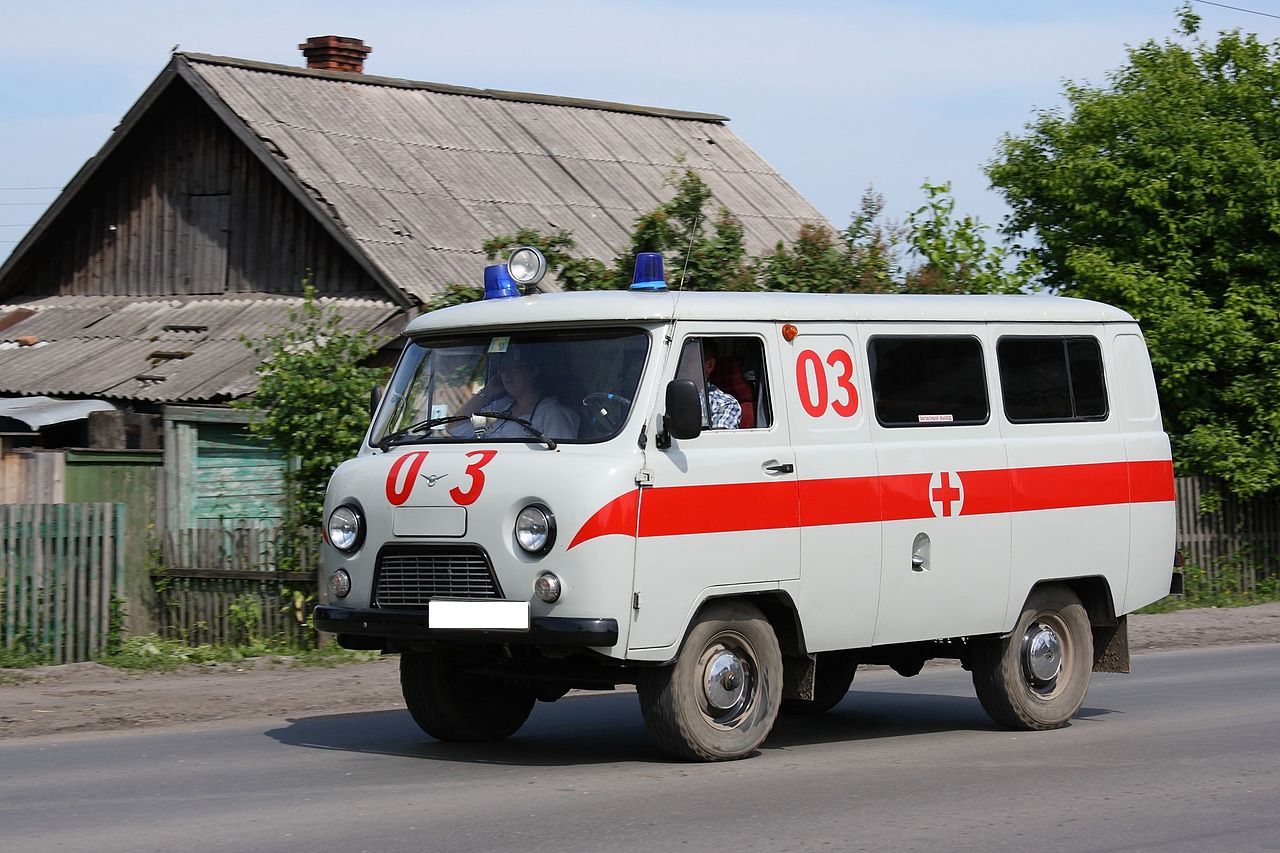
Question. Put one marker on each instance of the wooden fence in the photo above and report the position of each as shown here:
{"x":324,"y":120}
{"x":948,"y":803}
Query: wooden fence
{"x":224,"y":585}
{"x":61,"y":578}
{"x":1239,"y":536}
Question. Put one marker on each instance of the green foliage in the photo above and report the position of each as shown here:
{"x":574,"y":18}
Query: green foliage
{"x":934,"y":252}
{"x":1160,"y":193}
{"x":956,"y":255}
{"x":245,"y":613}
{"x":862,"y":258}
{"x":22,"y":655}
{"x":706,"y":250}
{"x":153,"y":653}
{"x":1226,"y":586}
{"x":312,"y":398}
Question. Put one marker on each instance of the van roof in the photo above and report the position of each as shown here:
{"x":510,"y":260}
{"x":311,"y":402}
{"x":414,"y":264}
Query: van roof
{"x":621,"y":307}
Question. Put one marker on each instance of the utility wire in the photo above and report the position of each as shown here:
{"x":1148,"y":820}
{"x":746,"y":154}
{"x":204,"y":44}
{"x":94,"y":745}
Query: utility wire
{"x":27,"y":189}
{"x":1238,"y":9}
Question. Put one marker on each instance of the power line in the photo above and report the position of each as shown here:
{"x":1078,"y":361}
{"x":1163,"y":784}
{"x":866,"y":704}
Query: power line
{"x":1238,"y":9}
{"x":27,"y":189}
{"x":22,"y":203}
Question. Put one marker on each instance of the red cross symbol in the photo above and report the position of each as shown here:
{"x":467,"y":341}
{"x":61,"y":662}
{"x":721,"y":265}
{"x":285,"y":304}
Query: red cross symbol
{"x":942,"y":494}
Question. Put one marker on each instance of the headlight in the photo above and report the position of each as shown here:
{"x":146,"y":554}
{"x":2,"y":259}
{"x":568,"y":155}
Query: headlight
{"x":346,"y":528}
{"x":536,"y":529}
{"x":340,"y":583}
{"x":527,"y":265}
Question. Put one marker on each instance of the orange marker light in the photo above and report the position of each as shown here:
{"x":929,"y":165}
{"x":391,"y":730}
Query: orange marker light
{"x":789,"y":332}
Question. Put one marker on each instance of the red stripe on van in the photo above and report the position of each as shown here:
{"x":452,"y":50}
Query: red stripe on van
{"x":723,"y":508}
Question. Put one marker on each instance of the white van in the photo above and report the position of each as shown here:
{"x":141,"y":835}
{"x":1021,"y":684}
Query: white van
{"x":732,"y":500}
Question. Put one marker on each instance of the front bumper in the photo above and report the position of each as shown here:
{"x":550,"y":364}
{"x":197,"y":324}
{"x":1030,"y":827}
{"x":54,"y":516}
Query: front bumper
{"x":413,"y":625}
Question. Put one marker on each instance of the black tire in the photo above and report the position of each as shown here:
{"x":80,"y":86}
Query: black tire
{"x":1036,"y":678}
{"x":452,"y":705}
{"x":720,"y":698}
{"x":831,"y":680}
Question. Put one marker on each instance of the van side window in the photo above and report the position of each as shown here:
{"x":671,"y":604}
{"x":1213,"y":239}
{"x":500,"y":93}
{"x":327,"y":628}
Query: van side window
{"x":928,"y":381}
{"x":1051,"y":379}
{"x":731,"y":373}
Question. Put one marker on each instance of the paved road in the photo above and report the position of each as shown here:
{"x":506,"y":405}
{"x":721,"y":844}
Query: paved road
{"x":1184,"y":755}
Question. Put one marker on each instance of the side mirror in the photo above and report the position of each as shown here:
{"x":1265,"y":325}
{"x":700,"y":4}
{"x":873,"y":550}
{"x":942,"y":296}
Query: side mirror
{"x":684,"y":409}
{"x":375,"y":397}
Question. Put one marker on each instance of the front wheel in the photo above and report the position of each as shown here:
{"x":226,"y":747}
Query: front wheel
{"x":720,"y":698}
{"x":1036,"y":678}
{"x":451,"y":704}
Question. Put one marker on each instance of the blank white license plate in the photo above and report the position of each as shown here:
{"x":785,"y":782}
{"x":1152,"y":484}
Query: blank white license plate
{"x":479,"y":615}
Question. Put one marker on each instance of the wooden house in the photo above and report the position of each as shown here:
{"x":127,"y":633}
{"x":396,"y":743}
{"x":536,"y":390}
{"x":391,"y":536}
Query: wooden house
{"x":231,"y":182}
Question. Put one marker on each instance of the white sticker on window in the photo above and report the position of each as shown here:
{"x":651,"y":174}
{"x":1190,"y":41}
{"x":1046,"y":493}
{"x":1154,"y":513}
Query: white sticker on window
{"x":499,"y":344}
{"x":935,"y":419}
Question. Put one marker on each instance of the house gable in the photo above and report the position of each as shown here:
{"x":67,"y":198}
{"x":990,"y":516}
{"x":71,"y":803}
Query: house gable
{"x":179,"y":206}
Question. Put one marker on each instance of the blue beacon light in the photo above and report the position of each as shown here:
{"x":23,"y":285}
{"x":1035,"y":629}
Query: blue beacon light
{"x":648,"y":274}
{"x":498,"y":283}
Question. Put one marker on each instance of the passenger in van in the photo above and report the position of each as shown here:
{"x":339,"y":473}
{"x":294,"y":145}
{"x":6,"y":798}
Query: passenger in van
{"x":517,"y":389}
{"x":726,"y":411}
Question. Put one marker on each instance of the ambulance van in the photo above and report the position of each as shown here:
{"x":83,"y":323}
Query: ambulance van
{"x":733,"y":500}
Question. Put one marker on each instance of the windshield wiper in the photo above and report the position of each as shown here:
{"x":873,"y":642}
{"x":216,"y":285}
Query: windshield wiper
{"x":421,"y":426}
{"x":530,"y":428}
{"x":399,"y":436}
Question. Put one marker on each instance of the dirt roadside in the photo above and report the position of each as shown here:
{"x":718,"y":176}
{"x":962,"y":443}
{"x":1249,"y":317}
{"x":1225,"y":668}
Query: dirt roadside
{"x":89,"y":697}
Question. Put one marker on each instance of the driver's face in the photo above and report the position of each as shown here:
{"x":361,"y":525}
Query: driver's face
{"x":516,"y":377}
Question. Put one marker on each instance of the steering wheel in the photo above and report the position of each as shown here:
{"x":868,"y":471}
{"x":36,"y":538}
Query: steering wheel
{"x":607,"y":409}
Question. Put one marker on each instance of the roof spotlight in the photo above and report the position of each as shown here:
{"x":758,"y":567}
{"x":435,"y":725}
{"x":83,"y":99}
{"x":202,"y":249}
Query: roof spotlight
{"x":527,"y":266}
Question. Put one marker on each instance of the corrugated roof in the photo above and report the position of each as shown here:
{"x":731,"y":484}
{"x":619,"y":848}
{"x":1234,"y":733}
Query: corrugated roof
{"x":419,"y":175}
{"x":166,"y":351}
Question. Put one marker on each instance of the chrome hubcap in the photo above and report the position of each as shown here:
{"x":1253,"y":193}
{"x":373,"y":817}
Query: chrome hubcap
{"x":725,"y":681}
{"x":728,"y":680}
{"x":1042,"y":654}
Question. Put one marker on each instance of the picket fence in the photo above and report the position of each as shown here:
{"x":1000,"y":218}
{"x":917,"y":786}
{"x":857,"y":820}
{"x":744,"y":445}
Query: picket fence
{"x":61,"y":578}
{"x":224,"y":585}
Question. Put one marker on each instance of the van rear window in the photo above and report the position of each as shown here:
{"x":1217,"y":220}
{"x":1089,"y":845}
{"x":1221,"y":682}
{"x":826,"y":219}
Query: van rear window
{"x":928,"y":381}
{"x":1051,"y":379}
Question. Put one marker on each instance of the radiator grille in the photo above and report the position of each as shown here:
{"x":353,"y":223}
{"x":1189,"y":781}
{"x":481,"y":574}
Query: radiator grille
{"x":410,"y":576}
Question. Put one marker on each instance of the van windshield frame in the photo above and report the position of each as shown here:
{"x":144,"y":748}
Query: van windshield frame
{"x":574,"y":386}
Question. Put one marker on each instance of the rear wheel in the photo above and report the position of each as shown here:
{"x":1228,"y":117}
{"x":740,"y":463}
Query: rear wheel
{"x":831,"y":679}
{"x":720,"y":699}
{"x":451,"y":704}
{"x":1036,"y":678}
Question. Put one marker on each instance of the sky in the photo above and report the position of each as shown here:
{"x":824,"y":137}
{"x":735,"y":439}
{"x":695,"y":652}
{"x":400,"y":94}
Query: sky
{"x":837,"y":96}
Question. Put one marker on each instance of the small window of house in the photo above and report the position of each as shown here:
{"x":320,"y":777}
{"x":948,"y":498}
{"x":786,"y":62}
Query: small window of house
{"x":928,"y":381}
{"x":1051,"y":379}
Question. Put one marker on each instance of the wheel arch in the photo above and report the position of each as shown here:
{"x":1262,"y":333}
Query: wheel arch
{"x":1110,"y":632}
{"x":778,"y":608}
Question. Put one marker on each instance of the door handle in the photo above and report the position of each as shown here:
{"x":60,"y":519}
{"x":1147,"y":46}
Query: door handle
{"x":784,"y":468}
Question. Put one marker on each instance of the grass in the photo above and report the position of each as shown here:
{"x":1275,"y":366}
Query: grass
{"x":1225,"y":588}
{"x":20,"y":656}
{"x":152,"y":653}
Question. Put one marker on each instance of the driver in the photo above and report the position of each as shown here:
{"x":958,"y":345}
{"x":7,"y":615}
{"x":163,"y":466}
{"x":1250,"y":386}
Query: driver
{"x":518,"y":390}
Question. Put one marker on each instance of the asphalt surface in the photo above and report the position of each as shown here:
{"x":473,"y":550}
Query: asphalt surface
{"x":1180,"y":756}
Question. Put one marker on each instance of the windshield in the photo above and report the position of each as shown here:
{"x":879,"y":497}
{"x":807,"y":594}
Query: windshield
{"x":544,"y":387}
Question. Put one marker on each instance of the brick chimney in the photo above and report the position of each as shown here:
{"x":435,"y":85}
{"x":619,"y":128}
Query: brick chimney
{"x":335,"y":53}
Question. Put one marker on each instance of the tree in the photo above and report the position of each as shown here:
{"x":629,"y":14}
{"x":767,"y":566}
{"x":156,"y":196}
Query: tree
{"x":312,"y":400}
{"x":934,"y":252}
{"x":1159,"y":192}
{"x":707,"y":258}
